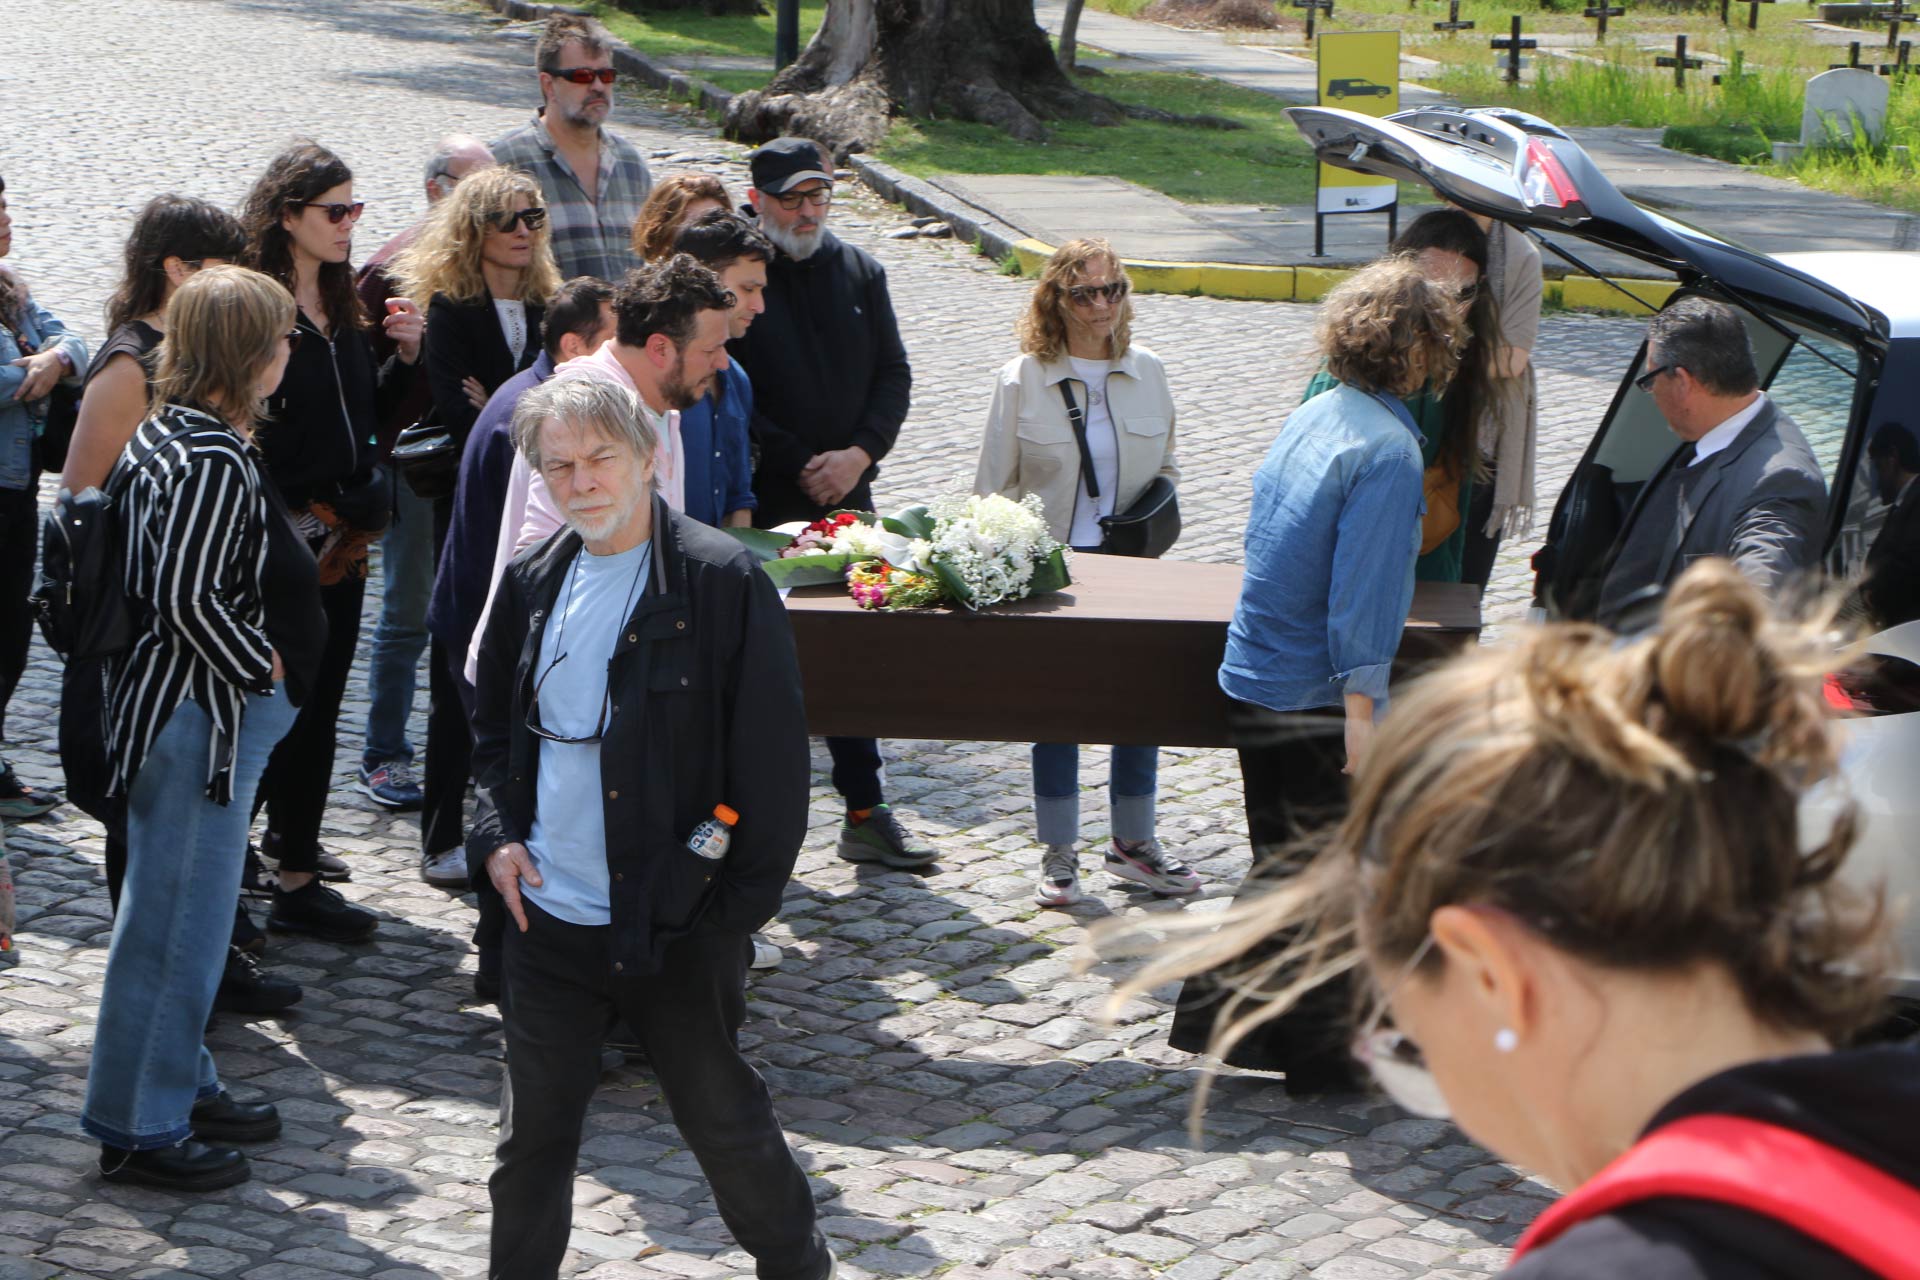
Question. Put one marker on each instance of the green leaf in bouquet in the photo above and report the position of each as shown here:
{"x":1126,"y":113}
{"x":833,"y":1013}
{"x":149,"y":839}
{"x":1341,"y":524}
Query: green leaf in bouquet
{"x":914,"y":522}
{"x":808,"y":571}
{"x":1050,"y":575}
{"x":764,"y":543}
{"x":955,"y":588}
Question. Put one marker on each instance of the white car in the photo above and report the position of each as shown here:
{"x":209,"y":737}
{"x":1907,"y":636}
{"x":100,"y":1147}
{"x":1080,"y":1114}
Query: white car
{"x":1837,"y":340}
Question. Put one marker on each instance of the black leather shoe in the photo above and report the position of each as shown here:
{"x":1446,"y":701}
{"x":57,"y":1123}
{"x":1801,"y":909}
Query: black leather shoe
{"x":246,"y":988}
{"x":186,"y":1166}
{"x":221,"y":1119}
{"x":321,"y":912}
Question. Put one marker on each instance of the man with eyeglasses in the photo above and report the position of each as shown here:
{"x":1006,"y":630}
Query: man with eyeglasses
{"x":594,"y":180}
{"x":1743,"y":484}
{"x":830,"y":390}
{"x":406,"y":549}
{"x":637,"y":673}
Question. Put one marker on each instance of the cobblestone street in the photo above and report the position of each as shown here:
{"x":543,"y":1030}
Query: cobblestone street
{"x":944,"y":1073}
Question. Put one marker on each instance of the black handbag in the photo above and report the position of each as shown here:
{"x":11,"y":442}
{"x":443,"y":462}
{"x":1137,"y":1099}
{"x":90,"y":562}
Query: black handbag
{"x":1147,"y":529}
{"x":428,"y":458}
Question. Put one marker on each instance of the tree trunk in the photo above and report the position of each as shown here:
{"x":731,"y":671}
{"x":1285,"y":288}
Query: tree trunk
{"x":1069,"y":42}
{"x":980,"y":60}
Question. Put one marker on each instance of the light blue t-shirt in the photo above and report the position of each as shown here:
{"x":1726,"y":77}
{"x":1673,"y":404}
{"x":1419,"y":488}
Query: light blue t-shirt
{"x":569,"y":836}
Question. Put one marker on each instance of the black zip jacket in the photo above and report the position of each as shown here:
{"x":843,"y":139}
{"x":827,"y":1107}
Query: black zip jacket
{"x":322,"y":419}
{"x":464,"y":340}
{"x":1865,"y":1102}
{"x":828,"y":371}
{"x":705,"y":691}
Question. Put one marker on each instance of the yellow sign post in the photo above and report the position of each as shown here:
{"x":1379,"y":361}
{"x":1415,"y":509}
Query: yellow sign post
{"x":1360,"y":71}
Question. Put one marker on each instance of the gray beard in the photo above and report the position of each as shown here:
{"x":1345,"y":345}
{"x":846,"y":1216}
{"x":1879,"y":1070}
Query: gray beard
{"x":796,"y":245}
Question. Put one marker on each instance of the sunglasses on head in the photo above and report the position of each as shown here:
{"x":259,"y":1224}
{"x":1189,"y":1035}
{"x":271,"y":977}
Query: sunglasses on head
{"x":534,"y":218}
{"x":1086,"y":294}
{"x":337,"y":213}
{"x":585,"y":75}
{"x":1395,"y":1060}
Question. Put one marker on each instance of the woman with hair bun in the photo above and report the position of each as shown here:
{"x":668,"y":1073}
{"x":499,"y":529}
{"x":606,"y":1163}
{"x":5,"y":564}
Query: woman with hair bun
{"x":1575,"y":879}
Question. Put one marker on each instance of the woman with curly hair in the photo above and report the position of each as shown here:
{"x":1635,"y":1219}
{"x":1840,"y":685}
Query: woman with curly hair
{"x":1330,"y":546}
{"x":320,"y":453}
{"x":1575,"y":882}
{"x":676,"y":202}
{"x":1077,"y":349}
{"x":483,"y":268}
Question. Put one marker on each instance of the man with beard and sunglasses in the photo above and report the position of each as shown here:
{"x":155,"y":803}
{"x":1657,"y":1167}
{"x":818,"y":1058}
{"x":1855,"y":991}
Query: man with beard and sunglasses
{"x":593,"y":180}
{"x":830,"y":390}
{"x":637,"y":678}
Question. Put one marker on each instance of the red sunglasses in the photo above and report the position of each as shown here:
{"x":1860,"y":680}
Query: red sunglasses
{"x":585,"y":75}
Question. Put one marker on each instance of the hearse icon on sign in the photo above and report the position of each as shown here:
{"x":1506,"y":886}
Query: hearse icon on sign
{"x":1355,"y":87}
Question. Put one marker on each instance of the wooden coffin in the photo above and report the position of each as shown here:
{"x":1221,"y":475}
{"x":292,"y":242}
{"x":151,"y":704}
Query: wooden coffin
{"x":1130,"y":653}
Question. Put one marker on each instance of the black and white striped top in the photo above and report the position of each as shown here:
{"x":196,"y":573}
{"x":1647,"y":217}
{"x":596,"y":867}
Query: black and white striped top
{"x":193,"y":521}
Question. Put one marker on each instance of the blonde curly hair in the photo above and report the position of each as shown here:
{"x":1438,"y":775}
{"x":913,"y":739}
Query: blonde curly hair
{"x":1386,"y":328}
{"x":1043,"y":328}
{"x":444,"y":259}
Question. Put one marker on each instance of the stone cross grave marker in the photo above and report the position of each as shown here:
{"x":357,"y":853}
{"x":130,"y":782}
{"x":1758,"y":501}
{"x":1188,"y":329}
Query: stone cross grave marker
{"x":1453,"y":25}
{"x":1510,"y":46}
{"x":1600,"y":13}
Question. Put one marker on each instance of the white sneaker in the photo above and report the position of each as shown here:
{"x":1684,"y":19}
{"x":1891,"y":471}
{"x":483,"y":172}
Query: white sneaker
{"x":1059,"y":877}
{"x":765,"y":954}
{"x":446,"y":870}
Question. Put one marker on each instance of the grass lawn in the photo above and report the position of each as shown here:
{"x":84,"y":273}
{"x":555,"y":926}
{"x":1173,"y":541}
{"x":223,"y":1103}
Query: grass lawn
{"x":1265,"y":163}
{"x":691,"y":33}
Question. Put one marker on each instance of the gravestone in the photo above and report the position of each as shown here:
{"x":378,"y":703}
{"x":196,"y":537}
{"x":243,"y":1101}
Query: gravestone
{"x":1835,"y":99}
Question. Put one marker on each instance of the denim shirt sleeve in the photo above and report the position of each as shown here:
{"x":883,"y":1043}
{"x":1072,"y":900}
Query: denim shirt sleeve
{"x":1372,"y":586}
{"x":44,"y":329}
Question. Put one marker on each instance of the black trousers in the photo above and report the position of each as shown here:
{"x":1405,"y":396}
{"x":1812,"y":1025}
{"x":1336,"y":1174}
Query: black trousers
{"x":299,"y":775}
{"x":443,"y":816}
{"x":19,"y":553}
{"x":1476,"y":561}
{"x":561,"y":996}
{"x":1290,"y":768}
{"x":856,"y":771}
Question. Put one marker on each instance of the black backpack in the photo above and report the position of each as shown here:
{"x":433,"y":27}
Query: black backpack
{"x":81,"y":593}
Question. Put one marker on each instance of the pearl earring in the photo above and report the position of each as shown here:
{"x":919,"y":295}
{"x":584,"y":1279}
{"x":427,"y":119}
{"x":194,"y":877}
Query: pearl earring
{"x":1506,"y":1040}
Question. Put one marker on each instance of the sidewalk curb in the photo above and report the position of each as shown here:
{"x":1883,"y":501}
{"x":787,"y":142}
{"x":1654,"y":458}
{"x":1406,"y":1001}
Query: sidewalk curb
{"x":999,"y":240}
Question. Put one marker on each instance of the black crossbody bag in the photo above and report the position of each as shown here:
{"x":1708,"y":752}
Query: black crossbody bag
{"x":1149,"y":527}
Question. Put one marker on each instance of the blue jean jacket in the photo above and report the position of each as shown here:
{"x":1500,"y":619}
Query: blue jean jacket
{"x":1330,"y":546}
{"x":21,"y":424}
{"x":714,"y":434}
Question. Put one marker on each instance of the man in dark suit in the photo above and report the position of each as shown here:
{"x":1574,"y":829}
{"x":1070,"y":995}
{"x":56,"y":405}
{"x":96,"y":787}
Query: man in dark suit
{"x":1891,"y":589}
{"x":1743,"y":484}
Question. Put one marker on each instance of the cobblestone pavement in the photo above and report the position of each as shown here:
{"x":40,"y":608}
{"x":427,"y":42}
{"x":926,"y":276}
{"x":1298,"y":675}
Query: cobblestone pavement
{"x":945,"y":1073}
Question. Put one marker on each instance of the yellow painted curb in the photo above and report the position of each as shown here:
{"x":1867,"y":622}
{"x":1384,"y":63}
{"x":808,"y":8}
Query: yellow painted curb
{"x":1597,"y":295}
{"x":1310,"y":284}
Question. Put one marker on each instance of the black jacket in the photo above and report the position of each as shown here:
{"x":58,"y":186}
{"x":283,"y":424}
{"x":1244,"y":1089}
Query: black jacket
{"x":321,"y":420}
{"x":1892,"y":587}
{"x":1865,"y":1102}
{"x":705,"y":688}
{"x":464,"y":340}
{"x":828,"y":371}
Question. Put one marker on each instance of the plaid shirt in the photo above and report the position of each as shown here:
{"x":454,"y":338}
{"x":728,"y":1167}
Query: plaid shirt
{"x":590,"y":238}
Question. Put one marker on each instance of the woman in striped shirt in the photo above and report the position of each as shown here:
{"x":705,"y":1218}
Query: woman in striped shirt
{"x":194,"y":706}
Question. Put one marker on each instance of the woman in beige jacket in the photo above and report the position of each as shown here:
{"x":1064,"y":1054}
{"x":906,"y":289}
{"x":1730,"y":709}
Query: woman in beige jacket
{"x":1075,"y":345}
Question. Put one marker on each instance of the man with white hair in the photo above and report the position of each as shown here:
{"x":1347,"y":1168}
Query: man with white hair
{"x":637,"y":678}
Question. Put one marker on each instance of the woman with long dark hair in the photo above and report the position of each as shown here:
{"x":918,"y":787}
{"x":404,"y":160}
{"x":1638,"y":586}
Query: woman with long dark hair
{"x":483,"y":268}
{"x":320,"y":456}
{"x":1452,"y":250}
{"x":36,"y":352}
{"x":227,"y":601}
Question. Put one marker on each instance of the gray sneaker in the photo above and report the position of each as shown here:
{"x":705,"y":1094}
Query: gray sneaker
{"x":882,"y":839}
{"x":1059,"y":877}
{"x":1146,"y":863}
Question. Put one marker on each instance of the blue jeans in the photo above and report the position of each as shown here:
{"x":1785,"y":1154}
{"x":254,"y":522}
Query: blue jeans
{"x":400,"y":637}
{"x":170,"y":937}
{"x":1132,"y":776}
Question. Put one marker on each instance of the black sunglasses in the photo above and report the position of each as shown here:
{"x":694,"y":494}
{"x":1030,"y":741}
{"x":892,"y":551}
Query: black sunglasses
{"x":534,"y":218}
{"x":1085,"y":294}
{"x":336,"y":212}
{"x":1645,"y":380}
{"x":533,"y":713}
{"x":585,"y":75}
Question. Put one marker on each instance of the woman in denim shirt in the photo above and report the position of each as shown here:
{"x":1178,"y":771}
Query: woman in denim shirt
{"x":36,"y":351}
{"x":1330,"y":546}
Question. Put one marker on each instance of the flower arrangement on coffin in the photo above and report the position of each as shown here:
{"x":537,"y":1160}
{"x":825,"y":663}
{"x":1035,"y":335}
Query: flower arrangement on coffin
{"x":974,"y":551}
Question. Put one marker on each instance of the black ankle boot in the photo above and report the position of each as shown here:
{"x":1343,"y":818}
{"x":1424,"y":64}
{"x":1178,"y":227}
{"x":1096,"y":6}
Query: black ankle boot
{"x":246,"y":988}
{"x":185,"y":1166}
{"x":221,"y":1119}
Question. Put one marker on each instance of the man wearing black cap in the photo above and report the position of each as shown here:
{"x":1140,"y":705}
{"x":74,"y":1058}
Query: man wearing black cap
{"x":830,"y":389}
